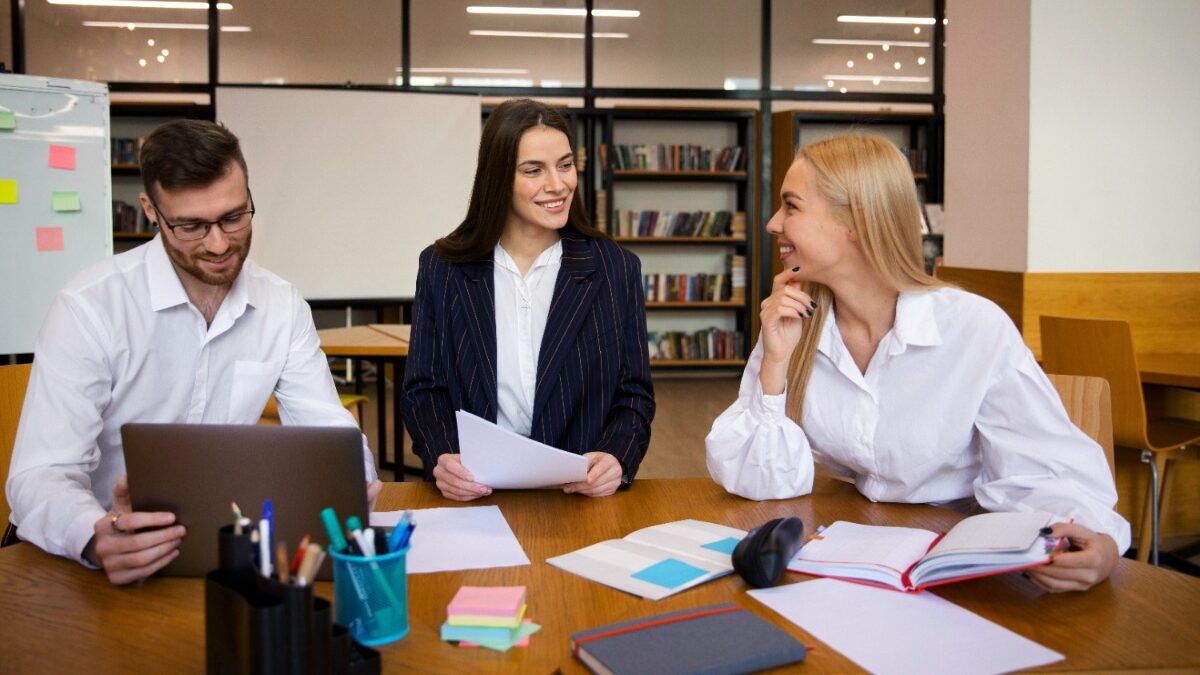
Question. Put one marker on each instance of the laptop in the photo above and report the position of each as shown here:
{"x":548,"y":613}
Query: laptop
{"x":196,"y":470}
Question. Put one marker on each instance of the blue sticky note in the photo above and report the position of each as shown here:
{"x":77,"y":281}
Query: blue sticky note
{"x":725,"y":545}
{"x":669,"y":573}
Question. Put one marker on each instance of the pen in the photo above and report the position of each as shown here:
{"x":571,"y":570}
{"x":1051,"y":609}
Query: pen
{"x":412,"y":525}
{"x":336,"y":540}
{"x":264,"y":547}
{"x":281,"y":561}
{"x":296,"y":561}
{"x":398,"y":531}
{"x":369,"y":536}
{"x":237,"y":518}
{"x":269,"y":517}
{"x":354,"y":525}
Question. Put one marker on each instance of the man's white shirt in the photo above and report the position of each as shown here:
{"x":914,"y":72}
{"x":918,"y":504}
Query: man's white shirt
{"x":122,"y":343}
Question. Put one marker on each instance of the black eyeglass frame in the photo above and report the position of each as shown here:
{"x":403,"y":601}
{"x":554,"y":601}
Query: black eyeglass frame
{"x":208,"y":224}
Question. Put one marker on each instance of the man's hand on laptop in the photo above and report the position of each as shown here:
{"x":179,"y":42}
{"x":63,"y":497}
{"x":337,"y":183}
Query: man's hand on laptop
{"x":131,"y":545}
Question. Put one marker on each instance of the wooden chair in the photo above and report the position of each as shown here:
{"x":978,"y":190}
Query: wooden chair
{"x":13,"y":382}
{"x":1104,"y":348}
{"x":1088,"y":401}
{"x":352,"y":402}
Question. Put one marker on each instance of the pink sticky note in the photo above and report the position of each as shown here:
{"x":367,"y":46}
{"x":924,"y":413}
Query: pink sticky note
{"x":49,"y":239}
{"x":62,"y":157}
{"x":487,"y":601}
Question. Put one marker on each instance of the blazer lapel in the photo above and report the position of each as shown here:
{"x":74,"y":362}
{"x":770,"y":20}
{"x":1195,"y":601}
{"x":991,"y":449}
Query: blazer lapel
{"x":477,"y":286}
{"x":574,"y":291}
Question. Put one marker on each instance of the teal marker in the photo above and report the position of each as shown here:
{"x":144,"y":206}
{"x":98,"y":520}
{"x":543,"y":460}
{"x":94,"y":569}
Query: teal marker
{"x":337,"y":540}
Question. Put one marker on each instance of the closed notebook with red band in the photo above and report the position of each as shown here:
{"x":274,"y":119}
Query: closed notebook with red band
{"x":714,"y":640}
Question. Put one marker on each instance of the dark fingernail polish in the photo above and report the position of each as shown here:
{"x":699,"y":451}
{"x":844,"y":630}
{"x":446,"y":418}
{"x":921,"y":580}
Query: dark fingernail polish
{"x":810,"y":312}
{"x":796,"y":269}
{"x":1026,"y":575}
{"x":813,"y":303}
{"x":1046,"y":530}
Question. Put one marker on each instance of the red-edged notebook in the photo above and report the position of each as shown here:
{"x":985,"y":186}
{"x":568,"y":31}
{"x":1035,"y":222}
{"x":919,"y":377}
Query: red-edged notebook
{"x":910,"y":559}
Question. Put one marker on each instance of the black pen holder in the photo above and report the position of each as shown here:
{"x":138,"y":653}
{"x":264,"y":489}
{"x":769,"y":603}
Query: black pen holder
{"x":254,"y":624}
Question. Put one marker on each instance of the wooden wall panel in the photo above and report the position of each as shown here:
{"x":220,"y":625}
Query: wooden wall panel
{"x":1006,"y":289}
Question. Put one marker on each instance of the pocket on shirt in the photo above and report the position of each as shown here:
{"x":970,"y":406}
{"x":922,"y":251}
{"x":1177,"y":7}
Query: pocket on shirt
{"x":253,"y":382}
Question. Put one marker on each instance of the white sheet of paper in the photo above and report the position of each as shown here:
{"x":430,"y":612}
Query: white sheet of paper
{"x":457,"y":538}
{"x":890,"y":632}
{"x":503,"y":460}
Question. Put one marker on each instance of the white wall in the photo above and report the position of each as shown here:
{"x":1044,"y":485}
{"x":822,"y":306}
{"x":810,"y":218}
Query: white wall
{"x":987,"y":134}
{"x":1114,"y":160}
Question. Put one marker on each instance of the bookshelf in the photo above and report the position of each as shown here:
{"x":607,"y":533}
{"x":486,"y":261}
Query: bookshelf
{"x":675,"y":186}
{"x":916,"y":134}
{"x":131,"y":122}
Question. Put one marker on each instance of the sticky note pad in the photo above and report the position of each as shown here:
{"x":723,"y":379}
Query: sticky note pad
{"x":62,"y":157}
{"x":669,"y":573}
{"x":725,"y":545}
{"x":49,"y":239}
{"x":487,"y":601}
{"x":66,"y":201}
{"x":7,"y":120}
{"x":8,"y":191}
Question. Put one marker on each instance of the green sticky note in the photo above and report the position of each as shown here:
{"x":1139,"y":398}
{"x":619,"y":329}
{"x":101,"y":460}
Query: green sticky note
{"x":8,"y":191}
{"x":8,"y":120}
{"x":66,"y":201}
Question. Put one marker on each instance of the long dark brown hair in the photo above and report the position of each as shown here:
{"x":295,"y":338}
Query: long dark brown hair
{"x":491,"y":194}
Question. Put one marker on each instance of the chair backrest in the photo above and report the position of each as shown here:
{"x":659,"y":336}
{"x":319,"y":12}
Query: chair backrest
{"x":1100,"y":348}
{"x":1088,"y":401}
{"x":13,"y":382}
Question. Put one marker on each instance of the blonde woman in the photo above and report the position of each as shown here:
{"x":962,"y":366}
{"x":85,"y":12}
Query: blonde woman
{"x":920,"y":392}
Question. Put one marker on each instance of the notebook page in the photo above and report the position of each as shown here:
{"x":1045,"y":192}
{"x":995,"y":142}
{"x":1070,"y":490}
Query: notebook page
{"x":993,"y":532}
{"x":692,"y":538}
{"x":851,"y":544}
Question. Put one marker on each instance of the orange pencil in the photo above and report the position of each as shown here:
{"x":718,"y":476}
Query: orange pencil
{"x":281,"y":561}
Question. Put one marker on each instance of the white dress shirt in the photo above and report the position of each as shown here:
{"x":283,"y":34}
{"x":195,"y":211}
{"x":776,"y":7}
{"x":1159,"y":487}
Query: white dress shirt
{"x":522,"y":307}
{"x":952,"y":406}
{"x":122,"y":343}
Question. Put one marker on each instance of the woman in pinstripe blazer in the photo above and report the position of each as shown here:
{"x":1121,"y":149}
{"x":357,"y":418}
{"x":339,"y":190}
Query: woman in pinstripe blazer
{"x":528,"y":316}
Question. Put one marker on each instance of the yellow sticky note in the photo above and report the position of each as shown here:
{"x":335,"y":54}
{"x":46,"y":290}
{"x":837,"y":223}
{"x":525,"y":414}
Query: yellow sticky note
{"x":7,"y":120}
{"x":66,"y":201}
{"x":8,"y":191}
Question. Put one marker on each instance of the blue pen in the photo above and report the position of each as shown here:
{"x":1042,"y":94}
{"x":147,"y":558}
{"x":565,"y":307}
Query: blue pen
{"x":412,"y":525}
{"x":269,"y":517}
{"x":398,"y":532}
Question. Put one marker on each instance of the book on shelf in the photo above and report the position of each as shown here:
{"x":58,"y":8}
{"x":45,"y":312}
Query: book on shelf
{"x":700,"y":287}
{"x":651,"y":223}
{"x":911,"y":559}
{"x":602,"y":211}
{"x":126,"y":151}
{"x":657,"y":561}
{"x":713,"y":639}
{"x":130,"y":218}
{"x":677,"y":157}
{"x":702,"y":345}
{"x":737,"y":225}
{"x":737,"y":277}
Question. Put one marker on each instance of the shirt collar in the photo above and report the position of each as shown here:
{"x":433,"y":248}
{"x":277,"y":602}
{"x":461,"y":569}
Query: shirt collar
{"x":550,"y":256}
{"x":916,"y":325}
{"x":166,"y":290}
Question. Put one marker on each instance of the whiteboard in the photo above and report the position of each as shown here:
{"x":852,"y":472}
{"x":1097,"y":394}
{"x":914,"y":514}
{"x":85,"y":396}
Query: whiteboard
{"x":350,"y":186}
{"x":41,"y":248}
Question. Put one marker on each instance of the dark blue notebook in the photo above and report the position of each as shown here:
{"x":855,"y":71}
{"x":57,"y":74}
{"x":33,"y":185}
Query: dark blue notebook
{"x":711,"y":640}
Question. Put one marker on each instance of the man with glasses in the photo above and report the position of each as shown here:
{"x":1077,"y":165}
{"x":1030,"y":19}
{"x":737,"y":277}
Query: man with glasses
{"x":181,"y":329}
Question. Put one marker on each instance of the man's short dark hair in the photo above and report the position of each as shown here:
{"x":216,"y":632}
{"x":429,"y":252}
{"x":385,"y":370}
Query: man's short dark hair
{"x":188,"y":154}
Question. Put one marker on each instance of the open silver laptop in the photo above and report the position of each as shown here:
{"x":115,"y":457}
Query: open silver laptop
{"x":196,"y":470}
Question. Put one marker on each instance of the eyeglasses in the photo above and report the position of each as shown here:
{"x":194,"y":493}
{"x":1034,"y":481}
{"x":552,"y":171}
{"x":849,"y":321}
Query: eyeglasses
{"x":195,"y":230}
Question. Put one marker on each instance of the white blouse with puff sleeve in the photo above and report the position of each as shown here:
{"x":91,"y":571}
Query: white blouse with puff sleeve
{"x":952,"y":406}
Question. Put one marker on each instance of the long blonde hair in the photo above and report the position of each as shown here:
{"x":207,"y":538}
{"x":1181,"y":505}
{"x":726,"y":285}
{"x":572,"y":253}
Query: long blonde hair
{"x":869,"y":187}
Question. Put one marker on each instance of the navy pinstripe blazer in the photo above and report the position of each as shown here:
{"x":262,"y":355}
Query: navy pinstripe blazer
{"x":593,"y":389}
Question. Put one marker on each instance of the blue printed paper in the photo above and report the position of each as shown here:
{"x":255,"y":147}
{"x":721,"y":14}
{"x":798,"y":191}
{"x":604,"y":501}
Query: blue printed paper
{"x":725,"y":545}
{"x":669,"y":573}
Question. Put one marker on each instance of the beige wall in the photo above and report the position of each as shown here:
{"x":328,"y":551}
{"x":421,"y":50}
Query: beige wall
{"x":987,"y":134}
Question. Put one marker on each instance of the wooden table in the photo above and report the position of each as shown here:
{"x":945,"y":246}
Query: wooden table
{"x":381,"y":347}
{"x":60,"y":617}
{"x":1173,"y":370}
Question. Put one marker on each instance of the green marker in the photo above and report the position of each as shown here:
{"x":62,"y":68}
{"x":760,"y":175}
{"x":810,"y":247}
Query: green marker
{"x":336,"y":539}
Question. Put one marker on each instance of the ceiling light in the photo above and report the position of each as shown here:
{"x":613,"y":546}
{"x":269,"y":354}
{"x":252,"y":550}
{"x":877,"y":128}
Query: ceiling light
{"x":870,"y":56}
{"x":849,"y":64}
{"x":842,"y":41}
{"x":481,"y":71}
{"x":905,"y":20}
{"x":916,"y":30}
{"x":142,"y":62}
{"x":555,"y":11}
{"x":843,"y":90}
{"x":886,"y":46}
{"x":142,"y":4}
{"x":150,"y":42}
{"x":131,"y":25}
{"x":872,"y":78}
{"x":166,"y":52}
{"x":542,"y":34}
{"x":920,"y":60}
{"x":161,"y":58}
{"x":829,"y":83}
{"x":876,"y":81}
{"x":896,"y":65}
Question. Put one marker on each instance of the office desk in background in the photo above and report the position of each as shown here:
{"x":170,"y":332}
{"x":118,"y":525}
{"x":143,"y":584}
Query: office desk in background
{"x":1172,"y":370}
{"x":377,"y":343}
{"x":60,"y":617}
